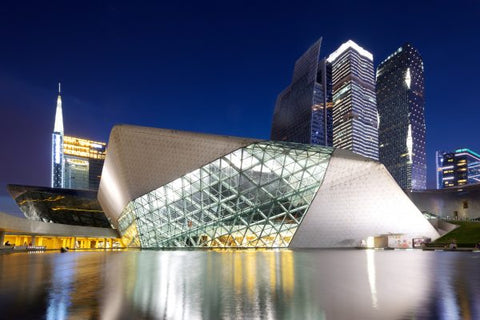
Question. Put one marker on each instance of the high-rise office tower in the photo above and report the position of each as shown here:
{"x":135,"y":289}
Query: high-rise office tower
{"x":303,"y":111}
{"x":400,"y":102}
{"x":76,"y":163}
{"x":83,"y":163}
{"x":458,"y":168}
{"x":57,"y":146}
{"x":355,"y":117}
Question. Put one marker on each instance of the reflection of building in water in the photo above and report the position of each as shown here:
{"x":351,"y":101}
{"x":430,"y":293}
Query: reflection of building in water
{"x":166,"y":288}
{"x":198,"y":190}
{"x":274,"y":284}
{"x":73,"y":284}
{"x":288,"y":274}
{"x":456,"y":292}
{"x":372,"y":277}
{"x":60,"y":293}
{"x":280,"y":275}
{"x":85,"y":267}
{"x":117,"y":297}
{"x":212,"y":284}
{"x":22,"y":282}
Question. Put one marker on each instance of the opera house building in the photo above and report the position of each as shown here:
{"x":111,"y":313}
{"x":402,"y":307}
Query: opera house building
{"x":166,"y":188}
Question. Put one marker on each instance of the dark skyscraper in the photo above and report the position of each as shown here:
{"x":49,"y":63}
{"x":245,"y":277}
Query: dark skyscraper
{"x":303,"y":111}
{"x":400,"y":103}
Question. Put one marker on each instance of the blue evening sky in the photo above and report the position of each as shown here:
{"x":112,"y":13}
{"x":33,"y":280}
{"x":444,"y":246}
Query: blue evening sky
{"x":209,"y":66}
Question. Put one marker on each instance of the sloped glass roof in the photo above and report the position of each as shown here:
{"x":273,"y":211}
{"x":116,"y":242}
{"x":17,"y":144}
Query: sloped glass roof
{"x":255,"y":196}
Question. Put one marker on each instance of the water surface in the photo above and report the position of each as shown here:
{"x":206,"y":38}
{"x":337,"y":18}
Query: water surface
{"x":247,"y":284}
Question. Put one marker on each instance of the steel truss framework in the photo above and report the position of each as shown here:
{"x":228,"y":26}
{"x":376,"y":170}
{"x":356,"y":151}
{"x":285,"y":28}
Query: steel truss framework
{"x":255,"y":196}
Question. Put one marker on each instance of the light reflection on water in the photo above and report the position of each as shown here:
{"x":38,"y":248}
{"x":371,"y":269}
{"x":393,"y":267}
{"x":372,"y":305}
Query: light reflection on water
{"x":249,"y":284}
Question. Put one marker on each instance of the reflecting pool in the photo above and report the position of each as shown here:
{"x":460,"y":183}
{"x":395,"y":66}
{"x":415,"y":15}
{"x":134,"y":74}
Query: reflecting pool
{"x":241,"y":284}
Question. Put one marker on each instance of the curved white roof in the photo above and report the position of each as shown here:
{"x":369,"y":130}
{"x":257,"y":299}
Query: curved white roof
{"x":357,"y":199}
{"x":141,"y":159}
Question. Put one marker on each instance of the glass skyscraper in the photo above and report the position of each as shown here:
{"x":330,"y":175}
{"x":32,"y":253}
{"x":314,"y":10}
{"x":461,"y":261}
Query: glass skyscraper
{"x":458,"y":168}
{"x":83,"y":163}
{"x":355,"y":117}
{"x":303,"y":111}
{"x":400,"y":102}
{"x":57,"y":146}
{"x":76,"y":163}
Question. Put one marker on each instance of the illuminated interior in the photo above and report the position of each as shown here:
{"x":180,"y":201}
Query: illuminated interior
{"x":56,"y":242}
{"x":255,"y":196}
{"x":84,"y":148}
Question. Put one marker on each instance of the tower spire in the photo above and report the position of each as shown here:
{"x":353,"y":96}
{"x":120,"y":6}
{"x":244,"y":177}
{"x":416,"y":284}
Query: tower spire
{"x":58,"y":127}
{"x":58,"y":163}
{"x":59,"y":88}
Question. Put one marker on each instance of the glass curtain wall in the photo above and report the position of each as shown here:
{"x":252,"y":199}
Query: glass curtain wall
{"x":255,"y":196}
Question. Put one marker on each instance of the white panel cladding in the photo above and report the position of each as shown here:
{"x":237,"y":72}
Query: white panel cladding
{"x":358,"y":199}
{"x":141,"y":159}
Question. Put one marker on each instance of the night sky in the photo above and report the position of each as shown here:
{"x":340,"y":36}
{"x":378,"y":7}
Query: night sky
{"x":213,"y":67}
